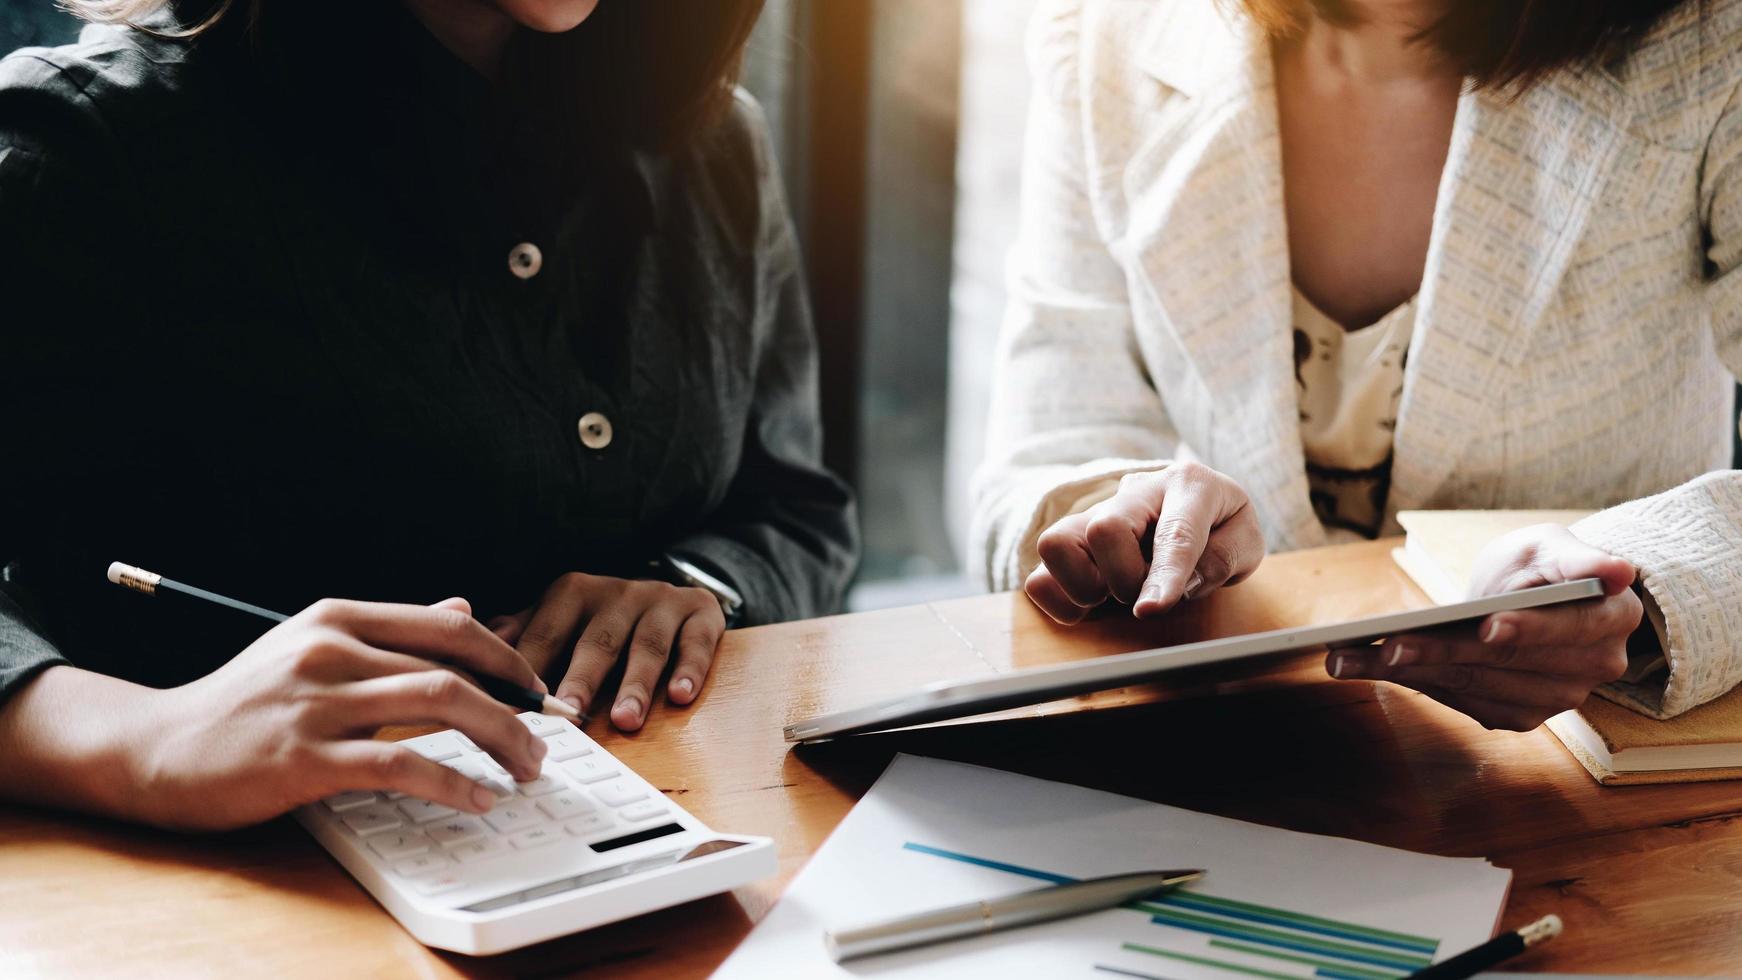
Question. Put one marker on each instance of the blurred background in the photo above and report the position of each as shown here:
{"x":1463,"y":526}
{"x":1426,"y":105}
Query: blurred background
{"x":899,"y":125}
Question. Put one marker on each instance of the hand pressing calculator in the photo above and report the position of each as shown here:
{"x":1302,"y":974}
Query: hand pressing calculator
{"x":586,"y":843}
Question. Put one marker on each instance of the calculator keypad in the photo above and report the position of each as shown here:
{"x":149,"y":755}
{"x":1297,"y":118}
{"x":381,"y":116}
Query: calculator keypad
{"x":583,"y":796}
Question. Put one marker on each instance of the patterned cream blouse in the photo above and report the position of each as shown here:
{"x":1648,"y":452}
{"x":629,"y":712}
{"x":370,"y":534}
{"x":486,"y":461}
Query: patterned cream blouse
{"x":1350,"y":384}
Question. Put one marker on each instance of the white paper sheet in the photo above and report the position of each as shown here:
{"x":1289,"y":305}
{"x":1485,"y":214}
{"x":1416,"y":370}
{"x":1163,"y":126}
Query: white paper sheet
{"x":867,"y":870}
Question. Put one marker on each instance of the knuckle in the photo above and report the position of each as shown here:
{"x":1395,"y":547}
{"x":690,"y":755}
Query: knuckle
{"x":1456,"y":677}
{"x":540,"y":635}
{"x":1191,"y":472}
{"x":1105,"y":529}
{"x":1506,"y":657}
{"x":653,"y":641}
{"x":1137,"y":482}
{"x":1054,"y":543}
{"x":1218,"y":562}
{"x":303,"y":756}
{"x":604,"y":637}
{"x":317,"y":658}
{"x":452,"y":623}
{"x":392,"y":765}
{"x":327,"y":611}
{"x":572,"y":581}
{"x":441,"y":686}
{"x":1176,"y":531}
{"x":1612,"y":664}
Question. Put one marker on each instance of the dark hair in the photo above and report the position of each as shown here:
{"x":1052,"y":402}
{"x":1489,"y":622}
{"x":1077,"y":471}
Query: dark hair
{"x":643,"y":73}
{"x":1502,"y":43}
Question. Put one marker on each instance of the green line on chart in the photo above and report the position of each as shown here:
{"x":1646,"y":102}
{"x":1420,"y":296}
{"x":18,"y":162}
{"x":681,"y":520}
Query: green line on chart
{"x":1206,"y":961}
{"x":1240,"y":930}
{"x":1308,"y":960}
{"x":1210,"y":903}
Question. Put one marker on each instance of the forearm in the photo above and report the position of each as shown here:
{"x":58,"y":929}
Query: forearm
{"x":77,"y":740}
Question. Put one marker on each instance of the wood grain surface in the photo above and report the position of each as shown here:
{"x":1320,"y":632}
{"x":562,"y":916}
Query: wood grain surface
{"x":1648,"y":878}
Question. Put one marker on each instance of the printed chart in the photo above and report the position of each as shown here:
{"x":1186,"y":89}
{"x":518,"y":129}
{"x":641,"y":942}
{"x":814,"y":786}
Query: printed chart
{"x":1241,"y":936}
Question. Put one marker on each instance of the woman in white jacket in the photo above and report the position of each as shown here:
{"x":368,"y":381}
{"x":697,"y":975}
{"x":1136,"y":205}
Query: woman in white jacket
{"x":1290,"y":266}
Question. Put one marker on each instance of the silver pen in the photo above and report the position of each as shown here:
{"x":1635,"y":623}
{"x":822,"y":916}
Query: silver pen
{"x":993,"y":914}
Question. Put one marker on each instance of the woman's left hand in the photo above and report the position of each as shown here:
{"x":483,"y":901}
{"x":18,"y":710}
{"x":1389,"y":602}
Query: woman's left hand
{"x":585,"y":623}
{"x":1514,"y":670}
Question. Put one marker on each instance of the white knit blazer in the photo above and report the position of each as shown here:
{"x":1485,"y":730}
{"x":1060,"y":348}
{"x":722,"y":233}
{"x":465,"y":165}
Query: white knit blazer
{"x":1579,"y":321}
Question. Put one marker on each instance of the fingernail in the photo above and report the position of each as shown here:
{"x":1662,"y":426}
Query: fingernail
{"x":573,"y":702}
{"x":1337,"y":666}
{"x":483,"y":799}
{"x":684,"y":687}
{"x":630,"y":707}
{"x":540,"y":686}
{"x":1150,"y":593}
{"x":1500,"y":631}
{"x":1193,"y":584}
{"x":1403,"y":655}
{"x":538,"y":749}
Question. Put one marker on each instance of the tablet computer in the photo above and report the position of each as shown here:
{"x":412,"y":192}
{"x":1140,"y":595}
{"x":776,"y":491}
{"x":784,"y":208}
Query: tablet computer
{"x":1035,"y":685}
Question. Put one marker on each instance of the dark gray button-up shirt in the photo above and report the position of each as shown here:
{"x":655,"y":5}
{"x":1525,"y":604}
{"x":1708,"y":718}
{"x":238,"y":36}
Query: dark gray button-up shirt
{"x":354,"y":329}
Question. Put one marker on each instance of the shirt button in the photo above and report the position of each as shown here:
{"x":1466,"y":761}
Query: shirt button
{"x":595,"y":430}
{"x":524,"y":260}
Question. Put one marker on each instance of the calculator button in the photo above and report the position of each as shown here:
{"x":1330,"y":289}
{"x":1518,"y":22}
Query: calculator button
{"x":590,"y":824}
{"x":513,"y":816}
{"x":372,"y":819}
{"x":544,"y":724}
{"x":469,"y":766}
{"x":423,"y":811}
{"x":618,"y":792}
{"x":539,"y":786}
{"x":437,"y":884}
{"x":569,"y":745}
{"x":645,"y":810}
{"x":423,"y":864}
{"x":536,"y":837}
{"x":456,"y":830}
{"x":466,"y":743}
{"x":589,"y":769}
{"x":399,"y":843}
{"x":491,"y":765}
{"x":568,"y":803}
{"x":502,"y":790}
{"x":395,"y":795}
{"x":477,"y":850}
{"x":349,"y":801}
{"x":436,"y":747}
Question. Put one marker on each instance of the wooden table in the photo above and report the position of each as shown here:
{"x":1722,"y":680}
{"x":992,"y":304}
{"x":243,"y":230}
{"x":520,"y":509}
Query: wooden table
{"x":1648,"y":878}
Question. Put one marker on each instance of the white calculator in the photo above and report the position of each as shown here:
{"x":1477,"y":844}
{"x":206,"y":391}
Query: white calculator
{"x":586,"y":843}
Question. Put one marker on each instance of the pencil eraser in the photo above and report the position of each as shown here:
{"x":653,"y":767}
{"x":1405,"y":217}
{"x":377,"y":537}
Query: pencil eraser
{"x":115,"y":570}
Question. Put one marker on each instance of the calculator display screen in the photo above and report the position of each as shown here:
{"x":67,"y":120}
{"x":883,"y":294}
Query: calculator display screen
{"x":640,"y":836}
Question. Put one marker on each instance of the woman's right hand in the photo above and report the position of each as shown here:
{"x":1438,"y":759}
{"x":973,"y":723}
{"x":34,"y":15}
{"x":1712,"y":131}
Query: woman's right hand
{"x":290,"y":719}
{"x":1176,"y":533}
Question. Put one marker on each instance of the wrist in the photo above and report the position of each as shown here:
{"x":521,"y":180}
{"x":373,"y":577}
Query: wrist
{"x":79,"y":740}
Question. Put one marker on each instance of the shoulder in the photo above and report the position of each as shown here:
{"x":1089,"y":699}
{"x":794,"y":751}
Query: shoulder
{"x":1682,"y":72}
{"x":119,"y":81}
{"x":730,"y":174}
{"x":1105,"y":47}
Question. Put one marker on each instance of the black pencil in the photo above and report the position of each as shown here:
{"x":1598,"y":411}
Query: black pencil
{"x":151,"y":583}
{"x":1502,"y":947}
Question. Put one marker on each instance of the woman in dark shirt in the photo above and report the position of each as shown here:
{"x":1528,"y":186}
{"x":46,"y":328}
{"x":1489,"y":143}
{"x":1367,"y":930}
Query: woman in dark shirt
{"x":391,"y":302}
